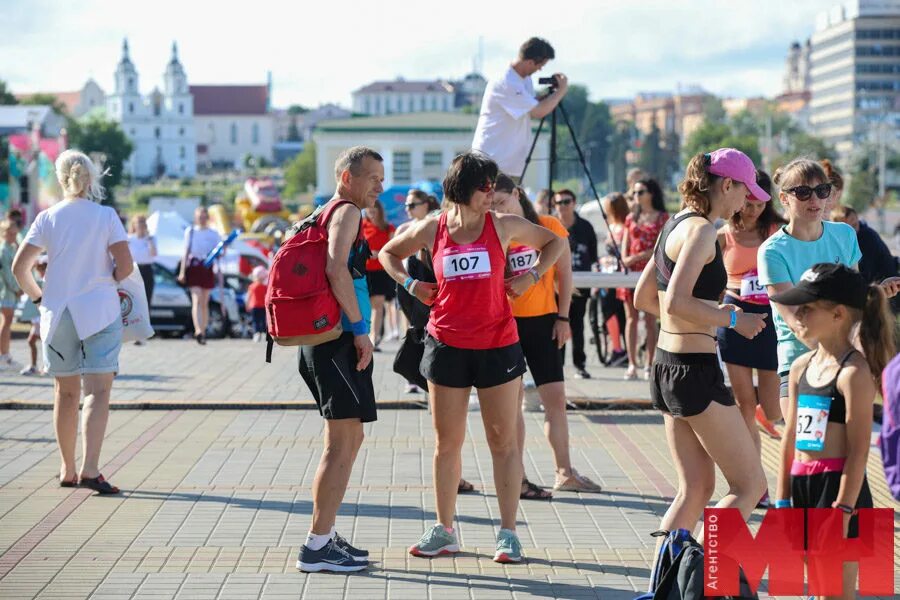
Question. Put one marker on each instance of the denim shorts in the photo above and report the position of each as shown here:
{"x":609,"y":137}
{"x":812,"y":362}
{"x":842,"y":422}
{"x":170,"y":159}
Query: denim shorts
{"x":66,"y":355}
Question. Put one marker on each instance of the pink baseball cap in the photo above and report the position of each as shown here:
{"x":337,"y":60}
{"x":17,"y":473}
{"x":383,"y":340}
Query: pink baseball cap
{"x":728,"y":162}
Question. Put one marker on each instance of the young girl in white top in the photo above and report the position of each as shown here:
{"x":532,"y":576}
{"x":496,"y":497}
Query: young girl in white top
{"x":199,"y":241}
{"x":81,"y":323}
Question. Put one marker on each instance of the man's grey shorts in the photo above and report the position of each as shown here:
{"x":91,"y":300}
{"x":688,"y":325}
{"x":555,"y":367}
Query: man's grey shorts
{"x":66,"y":355}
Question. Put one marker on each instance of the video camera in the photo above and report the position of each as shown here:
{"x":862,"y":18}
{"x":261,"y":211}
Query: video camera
{"x":551,"y":81}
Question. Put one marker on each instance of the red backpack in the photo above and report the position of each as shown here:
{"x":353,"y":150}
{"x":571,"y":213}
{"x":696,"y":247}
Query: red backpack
{"x":301,"y":309}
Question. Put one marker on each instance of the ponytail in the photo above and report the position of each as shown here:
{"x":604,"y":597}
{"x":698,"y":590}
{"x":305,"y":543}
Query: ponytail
{"x":876,"y":331}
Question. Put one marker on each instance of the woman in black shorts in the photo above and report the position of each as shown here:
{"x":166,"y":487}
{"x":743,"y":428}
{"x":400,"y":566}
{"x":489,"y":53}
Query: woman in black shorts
{"x":703,"y":426}
{"x":740,"y":240}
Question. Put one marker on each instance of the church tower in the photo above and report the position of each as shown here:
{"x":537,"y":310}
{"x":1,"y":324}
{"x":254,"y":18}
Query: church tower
{"x":126,"y":74}
{"x":175,"y":78}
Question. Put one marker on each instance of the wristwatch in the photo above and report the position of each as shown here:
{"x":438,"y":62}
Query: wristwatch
{"x":562,"y":318}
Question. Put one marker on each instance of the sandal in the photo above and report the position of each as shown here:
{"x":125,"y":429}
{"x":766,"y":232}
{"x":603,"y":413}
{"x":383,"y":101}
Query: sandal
{"x":99,"y":485}
{"x":577,"y":483}
{"x":69,"y":484}
{"x":465,"y":487}
{"x":534,"y":492}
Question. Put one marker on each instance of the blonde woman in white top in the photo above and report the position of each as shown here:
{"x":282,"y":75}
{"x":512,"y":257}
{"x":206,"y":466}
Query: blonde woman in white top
{"x":199,"y":241}
{"x":143,"y":251}
{"x":81,"y":324}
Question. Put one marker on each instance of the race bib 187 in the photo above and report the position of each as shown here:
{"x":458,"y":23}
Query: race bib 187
{"x":466,"y":262}
{"x":751,"y":290}
{"x":812,"y":420}
{"x":521,"y":259}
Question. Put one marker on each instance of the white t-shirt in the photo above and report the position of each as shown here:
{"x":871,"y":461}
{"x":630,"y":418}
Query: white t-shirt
{"x":77,"y":235}
{"x":140,"y":249}
{"x":504,"y":125}
{"x":203,"y":241}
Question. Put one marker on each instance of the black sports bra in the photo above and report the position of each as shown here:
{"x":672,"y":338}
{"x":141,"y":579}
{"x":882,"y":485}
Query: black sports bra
{"x":838,"y":412}
{"x":712,"y":279}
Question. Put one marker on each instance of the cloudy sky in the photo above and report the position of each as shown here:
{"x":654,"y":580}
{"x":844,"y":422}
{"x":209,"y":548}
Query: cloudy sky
{"x":321,"y":51}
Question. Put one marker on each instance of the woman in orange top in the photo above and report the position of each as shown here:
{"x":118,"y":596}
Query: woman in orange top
{"x":543,"y":330}
{"x":382,"y":288}
{"x":740,"y":240}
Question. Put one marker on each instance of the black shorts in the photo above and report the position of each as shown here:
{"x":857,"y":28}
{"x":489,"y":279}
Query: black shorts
{"x":821,"y":490}
{"x":759,"y":353}
{"x":340,"y":391}
{"x":540,"y":349}
{"x":684,"y":383}
{"x":381,"y":284}
{"x":462,"y":368}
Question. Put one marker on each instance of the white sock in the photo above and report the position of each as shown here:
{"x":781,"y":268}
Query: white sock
{"x":317,"y":542}
{"x":333,"y":531}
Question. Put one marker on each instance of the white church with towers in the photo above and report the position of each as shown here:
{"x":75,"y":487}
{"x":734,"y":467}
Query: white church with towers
{"x":160,"y":124}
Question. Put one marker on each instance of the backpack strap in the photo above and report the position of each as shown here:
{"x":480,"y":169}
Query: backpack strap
{"x":325,"y":215}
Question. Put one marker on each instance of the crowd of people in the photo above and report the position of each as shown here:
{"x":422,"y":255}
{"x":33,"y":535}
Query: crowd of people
{"x":793,"y":301}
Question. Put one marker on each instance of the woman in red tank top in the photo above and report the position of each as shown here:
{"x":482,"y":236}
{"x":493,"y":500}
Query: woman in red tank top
{"x":472,"y":337}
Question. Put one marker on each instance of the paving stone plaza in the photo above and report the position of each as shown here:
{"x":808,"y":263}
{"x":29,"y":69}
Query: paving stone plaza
{"x":217,"y":500}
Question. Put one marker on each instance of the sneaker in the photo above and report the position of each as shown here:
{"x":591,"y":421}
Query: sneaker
{"x":9,"y":364}
{"x":351,"y":550}
{"x":618,"y":358}
{"x":30,"y":370}
{"x":647,"y":373}
{"x":434,"y":542}
{"x":331,"y":557}
{"x":630,"y":373}
{"x":766,"y":425}
{"x":413,"y":389}
{"x":580,"y":373}
{"x":509,"y":548}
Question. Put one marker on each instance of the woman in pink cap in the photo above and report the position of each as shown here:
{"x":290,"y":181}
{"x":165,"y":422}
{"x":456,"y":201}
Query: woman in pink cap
{"x":704,"y":428}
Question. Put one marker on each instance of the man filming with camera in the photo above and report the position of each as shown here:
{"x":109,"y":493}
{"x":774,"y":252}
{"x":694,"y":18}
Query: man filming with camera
{"x":509,"y":104}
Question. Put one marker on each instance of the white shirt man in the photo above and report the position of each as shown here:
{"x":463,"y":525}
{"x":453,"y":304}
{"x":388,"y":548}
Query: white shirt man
{"x":509,"y":104}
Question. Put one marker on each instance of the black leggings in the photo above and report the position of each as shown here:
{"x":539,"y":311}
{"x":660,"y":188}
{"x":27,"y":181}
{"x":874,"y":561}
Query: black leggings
{"x":147,"y":275}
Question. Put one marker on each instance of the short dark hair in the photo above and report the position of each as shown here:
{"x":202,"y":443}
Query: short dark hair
{"x":536,"y":49}
{"x":351,"y":159}
{"x":468,"y":171}
{"x":566,"y":192}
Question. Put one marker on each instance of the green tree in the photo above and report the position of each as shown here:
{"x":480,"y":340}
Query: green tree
{"x":6,"y":96}
{"x":713,"y":111}
{"x":863,"y":186}
{"x":300,"y":173}
{"x":296,"y":109}
{"x":46,"y":100}
{"x":293,"y":131}
{"x":652,"y":159}
{"x":98,"y":135}
{"x":620,"y":144}
{"x":705,"y":138}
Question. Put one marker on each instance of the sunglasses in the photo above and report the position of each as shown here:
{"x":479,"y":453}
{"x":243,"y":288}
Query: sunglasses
{"x":804,"y":192}
{"x":411,"y":205}
{"x":564,"y":202}
{"x":487,"y":186}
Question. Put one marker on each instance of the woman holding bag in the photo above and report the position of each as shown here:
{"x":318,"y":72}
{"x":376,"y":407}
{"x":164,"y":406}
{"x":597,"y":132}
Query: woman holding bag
{"x":81,"y":323}
{"x":199,"y":241}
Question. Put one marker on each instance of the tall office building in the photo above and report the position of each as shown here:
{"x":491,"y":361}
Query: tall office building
{"x":855,"y":73}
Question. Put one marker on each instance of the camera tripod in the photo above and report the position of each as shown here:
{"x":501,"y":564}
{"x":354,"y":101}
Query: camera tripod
{"x":595,"y":327}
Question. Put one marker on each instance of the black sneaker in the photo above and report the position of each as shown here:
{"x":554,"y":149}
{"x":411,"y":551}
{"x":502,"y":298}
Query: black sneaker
{"x":330,"y":558}
{"x":351,"y":550}
{"x":580,"y":373}
{"x":618,"y":359}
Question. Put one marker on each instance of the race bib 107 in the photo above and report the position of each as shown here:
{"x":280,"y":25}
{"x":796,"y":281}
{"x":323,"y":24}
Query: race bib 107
{"x":812,"y":420}
{"x":466,"y":262}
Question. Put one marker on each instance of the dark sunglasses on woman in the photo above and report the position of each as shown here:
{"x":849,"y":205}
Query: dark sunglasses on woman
{"x":412,"y":205}
{"x":564,"y":202}
{"x":487,"y":186}
{"x":804,"y":192}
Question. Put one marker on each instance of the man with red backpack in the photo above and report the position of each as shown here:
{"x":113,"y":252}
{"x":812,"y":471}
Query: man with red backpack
{"x":339,"y":372}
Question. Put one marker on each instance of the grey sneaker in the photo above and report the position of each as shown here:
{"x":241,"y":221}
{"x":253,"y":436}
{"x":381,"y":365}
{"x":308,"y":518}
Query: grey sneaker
{"x":351,"y":550}
{"x":330,"y":558}
{"x":509,"y":548}
{"x":434,"y":542}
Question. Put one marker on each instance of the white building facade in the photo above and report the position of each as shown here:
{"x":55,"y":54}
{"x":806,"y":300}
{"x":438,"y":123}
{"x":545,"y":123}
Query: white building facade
{"x":233,"y":122}
{"x":401,"y":96}
{"x":415,"y":147}
{"x":160,"y":124}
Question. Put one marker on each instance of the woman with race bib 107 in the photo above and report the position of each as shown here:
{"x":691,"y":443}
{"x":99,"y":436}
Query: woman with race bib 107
{"x":472,"y":338}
